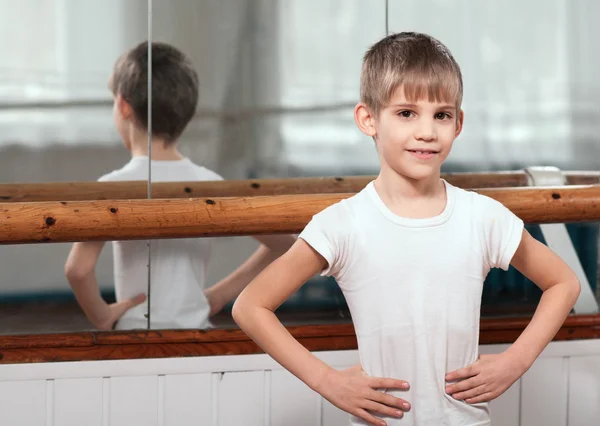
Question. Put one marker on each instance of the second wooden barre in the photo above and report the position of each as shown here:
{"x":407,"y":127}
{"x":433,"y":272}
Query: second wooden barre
{"x":87,"y":191}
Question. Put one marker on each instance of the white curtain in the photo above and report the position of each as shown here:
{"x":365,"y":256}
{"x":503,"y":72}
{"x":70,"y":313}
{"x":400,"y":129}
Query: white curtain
{"x":55,"y":60}
{"x":279,"y":78}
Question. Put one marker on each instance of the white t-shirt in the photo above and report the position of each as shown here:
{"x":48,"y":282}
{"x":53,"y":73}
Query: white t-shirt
{"x":179,"y":266}
{"x":413,"y":287}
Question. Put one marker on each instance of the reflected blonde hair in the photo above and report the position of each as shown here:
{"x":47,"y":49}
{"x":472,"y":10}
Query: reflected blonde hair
{"x":175,"y":88}
{"x":418,"y":63}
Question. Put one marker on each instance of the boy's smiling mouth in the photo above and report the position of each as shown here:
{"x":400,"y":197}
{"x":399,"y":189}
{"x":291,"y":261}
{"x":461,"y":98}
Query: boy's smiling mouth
{"x":423,"y":154}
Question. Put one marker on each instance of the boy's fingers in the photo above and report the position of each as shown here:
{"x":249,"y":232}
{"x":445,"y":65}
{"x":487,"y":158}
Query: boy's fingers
{"x":383,"y":409}
{"x":463,"y":385}
{"x":389,"y":384}
{"x":470,"y":393}
{"x":463,"y":373}
{"x":389,"y":400}
{"x":136,"y":300}
{"x":140,"y":298}
{"x":363,"y":414}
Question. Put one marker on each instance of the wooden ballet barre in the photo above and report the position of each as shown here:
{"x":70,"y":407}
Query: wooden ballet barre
{"x":110,"y":220}
{"x":87,"y":191}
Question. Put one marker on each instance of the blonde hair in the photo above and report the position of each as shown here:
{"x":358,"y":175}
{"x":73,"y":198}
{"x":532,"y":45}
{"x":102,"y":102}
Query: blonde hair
{"x":418,"y":63}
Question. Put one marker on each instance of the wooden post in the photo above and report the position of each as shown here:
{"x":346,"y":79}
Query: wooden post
{"x":202,"y":217}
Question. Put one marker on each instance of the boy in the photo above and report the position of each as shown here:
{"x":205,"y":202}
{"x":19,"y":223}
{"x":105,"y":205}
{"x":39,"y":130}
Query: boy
{"x":178,"y":266}
{"x":410,"y":252}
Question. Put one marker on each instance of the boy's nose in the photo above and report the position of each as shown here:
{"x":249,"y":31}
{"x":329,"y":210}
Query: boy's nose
{"x":426,"y":131}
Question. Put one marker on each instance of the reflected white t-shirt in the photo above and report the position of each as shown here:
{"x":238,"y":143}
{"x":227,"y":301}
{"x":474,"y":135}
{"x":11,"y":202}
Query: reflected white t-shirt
{"x":179,"y":266}
{"x":413,"y":287}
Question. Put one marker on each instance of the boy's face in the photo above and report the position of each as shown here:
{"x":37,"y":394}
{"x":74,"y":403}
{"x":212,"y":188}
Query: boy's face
{"x":413,"y":138}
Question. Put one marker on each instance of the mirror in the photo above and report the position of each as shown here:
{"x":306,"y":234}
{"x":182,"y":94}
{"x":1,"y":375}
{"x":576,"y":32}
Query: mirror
{"x":271,"y":92}
{"x":276,"y":99}
{"x":56,"y":116}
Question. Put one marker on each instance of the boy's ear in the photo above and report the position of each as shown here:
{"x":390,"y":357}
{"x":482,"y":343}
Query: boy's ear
{"x":365,"y":120}
{"x":124,"y":108}
{"x":459,"y":124}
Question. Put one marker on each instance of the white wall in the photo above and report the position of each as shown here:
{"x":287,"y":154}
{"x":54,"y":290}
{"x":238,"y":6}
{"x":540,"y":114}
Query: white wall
{"x":562,"y":388}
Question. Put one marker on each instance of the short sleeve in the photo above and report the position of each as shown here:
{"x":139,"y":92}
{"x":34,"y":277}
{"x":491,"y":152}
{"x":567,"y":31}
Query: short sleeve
{"x":105,"y":178}
{"x":204,"y":174}
{"x":328,"y":234}
{"x":501,"y":230}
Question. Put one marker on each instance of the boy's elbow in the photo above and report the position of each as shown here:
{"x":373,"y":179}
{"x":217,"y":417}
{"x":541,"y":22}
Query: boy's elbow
{"x":575,"y":287}
{"x":237,"y":312}
{"x":76,"y":273}
{"x":571,"y":289}
{"x":244,"y":311}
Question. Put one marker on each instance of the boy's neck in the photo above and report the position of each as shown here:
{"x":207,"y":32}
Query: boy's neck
{"x":404,"y":187}
{"x":160,"y":150}
{"x":410,"y":197}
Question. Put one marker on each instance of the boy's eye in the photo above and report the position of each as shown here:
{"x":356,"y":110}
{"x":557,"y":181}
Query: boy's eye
{"x":405,"y":114}
{"x":442,"y":115}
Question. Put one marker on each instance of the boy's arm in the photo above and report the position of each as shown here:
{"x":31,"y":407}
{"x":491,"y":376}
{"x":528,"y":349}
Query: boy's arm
{"x":350,"y":390}
{"x":80,"y":272}
{"x":491,"y":375}
{"x":226,"y":290}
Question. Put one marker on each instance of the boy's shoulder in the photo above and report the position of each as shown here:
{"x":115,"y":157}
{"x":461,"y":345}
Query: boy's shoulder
{"x":474,"y":200}
{"x":343,"y":215}
{"x":128,"y":172}
{"x":182,"y":170}
{"x":204,"y":173}
{"x":483,"y":209}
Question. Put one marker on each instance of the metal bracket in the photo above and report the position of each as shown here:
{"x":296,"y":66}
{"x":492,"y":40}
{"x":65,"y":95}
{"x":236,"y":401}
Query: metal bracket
{"x":557,"y":238}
